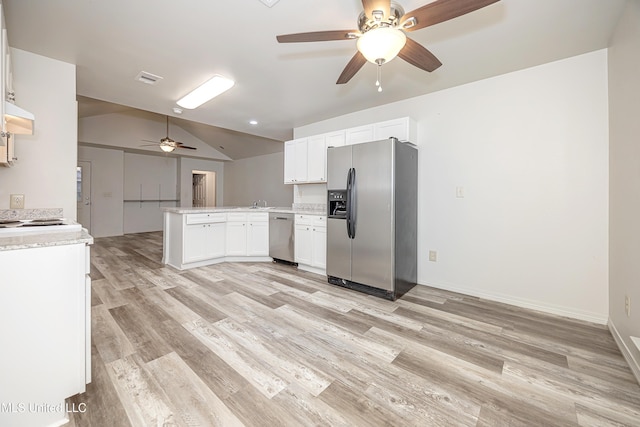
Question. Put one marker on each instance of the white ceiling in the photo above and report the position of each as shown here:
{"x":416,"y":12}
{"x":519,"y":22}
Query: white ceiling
{"x":285,"y":85}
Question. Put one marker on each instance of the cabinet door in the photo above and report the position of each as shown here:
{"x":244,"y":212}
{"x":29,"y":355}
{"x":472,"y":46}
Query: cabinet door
{"x":236,"y":239}
{"x":300,"y":163}
{"x":289,"y":162}
{"x":303,"y":244}
{"x":258,"y":239}
{"x":317,"y":159}
{"x":195,"y":243}
{"x":319,"y":247}
{"x":359,"y":135}
{"x":398,"y":128}
{"x":335,"y":139}
{"x":216,"y":239}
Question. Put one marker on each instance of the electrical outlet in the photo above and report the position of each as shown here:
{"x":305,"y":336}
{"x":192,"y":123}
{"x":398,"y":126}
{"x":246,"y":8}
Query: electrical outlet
{"x":627,"y":305}
{"x":433,"y":256}
{"x":16,"y":201}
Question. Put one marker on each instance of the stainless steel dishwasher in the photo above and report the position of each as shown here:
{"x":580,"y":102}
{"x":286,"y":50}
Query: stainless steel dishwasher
{"x":282,"y":237}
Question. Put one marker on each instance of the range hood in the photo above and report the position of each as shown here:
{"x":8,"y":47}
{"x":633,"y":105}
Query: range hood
{"x":17,"y":120}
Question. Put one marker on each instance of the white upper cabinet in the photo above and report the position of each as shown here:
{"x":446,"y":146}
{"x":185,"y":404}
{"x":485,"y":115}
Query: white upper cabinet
{"x":403,"y":129}
{"x":305,"y":159}
{"x":295,"y":161}
{"x":360,"y":134}
{"x":336,"y":139}
{"x":317,"y":159}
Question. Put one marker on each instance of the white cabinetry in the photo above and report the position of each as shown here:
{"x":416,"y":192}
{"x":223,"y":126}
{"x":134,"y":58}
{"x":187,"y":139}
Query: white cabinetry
{"x":311,"y":243}
{"x":45,"y":324}
{"x":295,"y":161}
{"x":204,"y":237}
{"x":404,"y":129}
{"x":247,"y":234}
{"x":360,"y":134}
{"x":317,"y":159}
{"x":305,"y":159}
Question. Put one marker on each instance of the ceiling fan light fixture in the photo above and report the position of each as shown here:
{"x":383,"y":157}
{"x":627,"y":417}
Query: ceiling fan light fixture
{"x":381,"y":45}
{"x":167,"y":145}
{"x":206,"y":92}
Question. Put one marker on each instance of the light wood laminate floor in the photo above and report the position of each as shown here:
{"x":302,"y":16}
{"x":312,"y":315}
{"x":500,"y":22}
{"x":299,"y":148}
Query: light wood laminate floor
{"x":260,"y":344}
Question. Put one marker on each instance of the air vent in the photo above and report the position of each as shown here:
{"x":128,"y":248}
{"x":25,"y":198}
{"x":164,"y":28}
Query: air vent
{"x":269,"y":3}
{"x":148,"y":78}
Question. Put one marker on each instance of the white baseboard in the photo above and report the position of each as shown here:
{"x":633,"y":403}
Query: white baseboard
{"x":628,"y":355}
{"x":598,"y":318}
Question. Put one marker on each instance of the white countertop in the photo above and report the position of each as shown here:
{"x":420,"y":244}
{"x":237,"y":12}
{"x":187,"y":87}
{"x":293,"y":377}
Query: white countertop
{"x":44,"y":239}
{"x":185,"y":210}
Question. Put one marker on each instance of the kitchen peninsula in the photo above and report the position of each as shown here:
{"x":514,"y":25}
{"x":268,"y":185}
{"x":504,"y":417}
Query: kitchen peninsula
{"x":194,"y":237}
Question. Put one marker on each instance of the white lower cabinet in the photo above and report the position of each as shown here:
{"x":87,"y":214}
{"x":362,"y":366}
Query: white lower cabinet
{"x":311,"y":242}
{"x":248,"y":234}
{"x":204,"y":241}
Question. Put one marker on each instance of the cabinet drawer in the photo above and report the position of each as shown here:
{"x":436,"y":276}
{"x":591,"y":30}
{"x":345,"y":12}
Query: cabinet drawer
{"x":237,"y":216}
{"x":258,"y":217}
{"x":204,"y":218}
{"x":317,"y":220}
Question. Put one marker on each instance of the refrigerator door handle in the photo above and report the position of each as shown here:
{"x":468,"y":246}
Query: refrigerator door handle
{"x":353,"y":210}
{"x":348,"y":219}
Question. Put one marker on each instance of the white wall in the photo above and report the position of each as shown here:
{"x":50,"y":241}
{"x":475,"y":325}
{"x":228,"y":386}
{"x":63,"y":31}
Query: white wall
{"x":257,"y":178}
{"x":107,"y":190}
{"x":46,"y":168}
{"x":624,"y":186}
{"x":530,"y":149}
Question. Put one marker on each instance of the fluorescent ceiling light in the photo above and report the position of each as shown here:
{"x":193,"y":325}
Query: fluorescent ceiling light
{"x":206,"y":92}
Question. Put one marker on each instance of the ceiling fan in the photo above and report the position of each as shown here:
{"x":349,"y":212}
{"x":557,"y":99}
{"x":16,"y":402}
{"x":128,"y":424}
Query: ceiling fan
{"x":381,"y":33}
{"x":167,"y":144}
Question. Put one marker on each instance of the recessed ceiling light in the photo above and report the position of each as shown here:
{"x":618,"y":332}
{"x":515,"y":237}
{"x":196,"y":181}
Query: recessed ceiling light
{"x":177,"y":110}
{"x":205,"y":92}
{"x":253,"y":122}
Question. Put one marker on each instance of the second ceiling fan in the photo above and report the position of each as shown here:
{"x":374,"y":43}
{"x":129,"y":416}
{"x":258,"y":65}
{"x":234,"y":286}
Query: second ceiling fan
{"x":167,"y":144}
{"x":381,"y":33}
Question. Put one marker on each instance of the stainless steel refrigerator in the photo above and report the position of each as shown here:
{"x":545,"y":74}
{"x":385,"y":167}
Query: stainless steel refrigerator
{"x":372,"y":217}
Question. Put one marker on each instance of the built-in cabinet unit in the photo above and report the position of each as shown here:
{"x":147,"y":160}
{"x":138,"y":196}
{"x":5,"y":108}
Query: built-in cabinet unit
{"x":247,"y":234}
{"x":45,"y":319}
{"x":311,"y":242}
{"x":202,"y":238}
{"x":305,"y":159}
{"x":150,"y":184}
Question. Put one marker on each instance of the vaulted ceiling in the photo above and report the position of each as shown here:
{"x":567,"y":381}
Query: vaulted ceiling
{"x":283,"y":86}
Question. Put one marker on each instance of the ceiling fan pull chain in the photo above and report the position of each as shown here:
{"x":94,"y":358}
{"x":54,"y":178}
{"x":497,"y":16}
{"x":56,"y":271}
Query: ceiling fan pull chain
{"x":379,"y":77}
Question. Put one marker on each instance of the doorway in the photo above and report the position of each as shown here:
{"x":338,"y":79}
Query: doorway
{"x":203,"y":189}
{"x":83,"y":194}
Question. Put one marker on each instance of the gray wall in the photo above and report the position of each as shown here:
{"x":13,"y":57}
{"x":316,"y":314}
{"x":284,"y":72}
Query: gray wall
{"x":624,"y":181}
{"x":257,"y":178}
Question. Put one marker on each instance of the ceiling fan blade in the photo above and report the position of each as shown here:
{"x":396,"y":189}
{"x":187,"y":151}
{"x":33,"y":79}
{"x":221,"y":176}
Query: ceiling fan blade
{"x":416,"y":54}
{"x":382,"y":5}
{"x":352,"y":68}
{"x":442,"y":10}
{"x":149,"y":145}
{"x":148,"y":140}
{"x":318,"y":36}
{"x":180,"y":145}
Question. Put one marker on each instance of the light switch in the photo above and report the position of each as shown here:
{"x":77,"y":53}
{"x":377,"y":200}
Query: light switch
{"x":460,"y":192}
